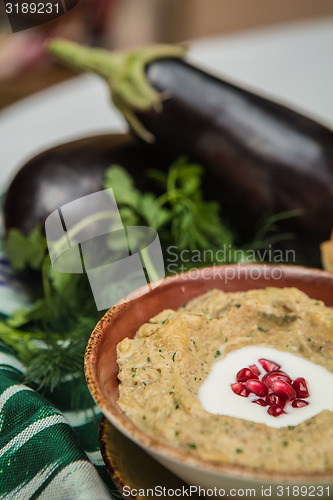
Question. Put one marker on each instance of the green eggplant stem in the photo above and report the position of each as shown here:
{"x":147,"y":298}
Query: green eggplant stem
{"x":124,"y":72}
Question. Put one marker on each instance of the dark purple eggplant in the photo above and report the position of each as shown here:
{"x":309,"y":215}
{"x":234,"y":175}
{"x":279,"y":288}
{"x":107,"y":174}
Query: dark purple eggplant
{"x":265,"y":157}
{"x":67,"y":172}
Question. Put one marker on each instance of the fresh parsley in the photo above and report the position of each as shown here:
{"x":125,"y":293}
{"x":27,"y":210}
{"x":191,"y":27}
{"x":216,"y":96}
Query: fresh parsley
{"x":179,"y":213}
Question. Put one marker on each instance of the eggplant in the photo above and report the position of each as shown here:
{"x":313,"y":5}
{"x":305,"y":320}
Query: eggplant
{"x":67,"y":172}
{"x":265,"y":158}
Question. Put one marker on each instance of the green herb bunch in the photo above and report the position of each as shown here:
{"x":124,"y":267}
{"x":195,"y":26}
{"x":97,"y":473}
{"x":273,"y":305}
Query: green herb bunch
{"x":180,"y":214}
{"x":50,"y":336}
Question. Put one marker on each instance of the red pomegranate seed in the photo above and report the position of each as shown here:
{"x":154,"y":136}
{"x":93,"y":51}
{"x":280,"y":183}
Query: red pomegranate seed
{"x":283,"y":390}
{"x":270,"y":377}
{"x":260,"y":402}
{"x":274,"y":389}
{"x":240,"y":389}
{"x":299,"y":403}
{"x":254,"y":369}
{"x":268,"y":365}
{"x":257,"y":387}
{"x":275,"y":411}
{"x":301,"y":388}
{"x":273,"y":399}
{"x":245,"y":374}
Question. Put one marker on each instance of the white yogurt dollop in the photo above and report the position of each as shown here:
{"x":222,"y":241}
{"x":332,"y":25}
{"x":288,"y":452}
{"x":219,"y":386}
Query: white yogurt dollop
{"x":217,"y":397}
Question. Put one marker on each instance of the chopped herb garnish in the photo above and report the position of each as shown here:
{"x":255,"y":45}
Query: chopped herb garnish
{"x":148,"y":359}
{"x":218,"y":353}
{"x":239,"y":450}
{"x":262,"y":329}
{"x":192,"y":445}
{"x":173,"y":357}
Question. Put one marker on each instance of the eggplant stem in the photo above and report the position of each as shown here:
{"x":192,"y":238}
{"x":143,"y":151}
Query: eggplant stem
{"x":124,"y":72}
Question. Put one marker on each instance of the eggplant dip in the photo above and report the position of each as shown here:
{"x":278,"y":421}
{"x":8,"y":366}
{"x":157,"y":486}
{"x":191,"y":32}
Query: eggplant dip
{"x":164,"y":369}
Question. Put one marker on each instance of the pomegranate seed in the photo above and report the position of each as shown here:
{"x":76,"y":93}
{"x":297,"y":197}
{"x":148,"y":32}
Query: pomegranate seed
{"x":273,"y":399}
{"x":283,"y":390}
{"x":268,"y":365}
{"x":301,"y":388}
{"x":257,"y":387}
{"x":270,"y":377}
{"x":260,"y":402}
{"x":275,"y":411}
{"x":245,"y":374}
{"x":254,"y":369}
{"x":240,"y":389}
{"x":299,"y":403}
{"x":274,"y":389}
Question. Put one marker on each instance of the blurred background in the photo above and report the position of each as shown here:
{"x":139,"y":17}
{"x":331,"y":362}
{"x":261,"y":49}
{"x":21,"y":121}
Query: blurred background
{"x":24,"y":68}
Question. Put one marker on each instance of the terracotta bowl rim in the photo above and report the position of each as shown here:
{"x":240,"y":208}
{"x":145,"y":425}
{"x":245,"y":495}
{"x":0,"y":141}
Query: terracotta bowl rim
{"x":125,"y":425}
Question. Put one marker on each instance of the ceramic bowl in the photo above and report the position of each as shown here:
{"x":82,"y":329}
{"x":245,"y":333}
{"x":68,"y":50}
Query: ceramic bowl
{"x":130,"y":466}
{"x":124,"y":319}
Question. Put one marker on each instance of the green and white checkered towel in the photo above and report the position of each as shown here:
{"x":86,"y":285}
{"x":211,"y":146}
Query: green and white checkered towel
{"x":47,"y":451}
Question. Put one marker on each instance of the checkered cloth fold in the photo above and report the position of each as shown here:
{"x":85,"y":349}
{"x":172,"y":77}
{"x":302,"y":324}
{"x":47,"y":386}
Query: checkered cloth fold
{"x":47,"y":450}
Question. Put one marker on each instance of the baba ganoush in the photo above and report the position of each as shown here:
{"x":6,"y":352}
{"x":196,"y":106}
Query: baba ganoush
{"x":162,"y":369}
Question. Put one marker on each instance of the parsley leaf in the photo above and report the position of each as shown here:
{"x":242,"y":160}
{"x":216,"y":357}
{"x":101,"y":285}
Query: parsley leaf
{"x":25,"y":251}
{"x":123,"y":186}
{"x":151,"y":211}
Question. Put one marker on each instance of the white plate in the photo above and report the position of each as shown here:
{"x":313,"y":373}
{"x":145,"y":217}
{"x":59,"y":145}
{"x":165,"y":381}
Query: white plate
{"x":292,"y":63}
